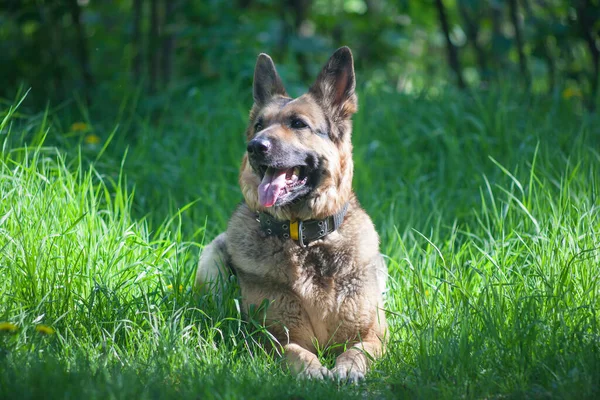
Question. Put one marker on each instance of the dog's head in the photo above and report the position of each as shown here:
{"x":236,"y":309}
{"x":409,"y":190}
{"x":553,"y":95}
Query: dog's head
{"x":298,"y":163}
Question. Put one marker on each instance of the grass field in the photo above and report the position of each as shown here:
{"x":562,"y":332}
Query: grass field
{"x":486,"y":203}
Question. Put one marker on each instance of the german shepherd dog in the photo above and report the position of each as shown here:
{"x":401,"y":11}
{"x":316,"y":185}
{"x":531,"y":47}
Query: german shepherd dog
{"x":301,"y":242}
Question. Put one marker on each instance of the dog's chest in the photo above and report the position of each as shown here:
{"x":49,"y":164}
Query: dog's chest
{"x":324,"y":285}
{"x":327,"y":284}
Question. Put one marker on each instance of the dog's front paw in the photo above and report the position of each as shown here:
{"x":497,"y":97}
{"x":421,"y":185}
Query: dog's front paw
{"x":319,"y":372}
{"x":342,"y":373}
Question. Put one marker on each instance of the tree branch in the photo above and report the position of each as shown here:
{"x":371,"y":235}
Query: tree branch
{"x":452,"y":50}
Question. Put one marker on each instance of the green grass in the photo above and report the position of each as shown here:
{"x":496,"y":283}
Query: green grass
{"x":487,"y":206}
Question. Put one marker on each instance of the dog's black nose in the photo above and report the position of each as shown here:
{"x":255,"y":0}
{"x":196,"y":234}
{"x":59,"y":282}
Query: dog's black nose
{"x":259,"y":146}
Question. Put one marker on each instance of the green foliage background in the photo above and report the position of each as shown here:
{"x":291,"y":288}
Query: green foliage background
{"x":399,"y":44}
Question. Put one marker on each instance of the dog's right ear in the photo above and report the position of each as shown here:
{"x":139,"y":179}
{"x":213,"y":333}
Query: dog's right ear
{"x":267,"y":82}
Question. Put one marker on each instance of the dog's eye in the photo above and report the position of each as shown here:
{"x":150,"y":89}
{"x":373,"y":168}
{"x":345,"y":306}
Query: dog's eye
{"x":298,"y":124}
{"x":258,"y":127}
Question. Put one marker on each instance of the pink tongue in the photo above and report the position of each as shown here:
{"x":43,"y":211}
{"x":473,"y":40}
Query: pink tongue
{"x":271,"y":186}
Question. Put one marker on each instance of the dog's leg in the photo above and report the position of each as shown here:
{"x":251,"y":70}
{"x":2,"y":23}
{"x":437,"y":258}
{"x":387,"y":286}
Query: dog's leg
{"x":352,"y":365}
{"x":303,"y":363}
{"x":213,"y":266}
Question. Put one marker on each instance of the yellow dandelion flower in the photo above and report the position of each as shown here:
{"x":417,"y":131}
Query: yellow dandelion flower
{"x":571,"y":92}
{"x":92,"y":139}
{"x":8,"y":327}
{"x":44,"y":329}
{"x":170,"y":287}
{"x":79,"y":127}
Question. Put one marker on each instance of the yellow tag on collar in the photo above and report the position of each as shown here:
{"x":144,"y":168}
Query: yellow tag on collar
{"x":294,"y":230}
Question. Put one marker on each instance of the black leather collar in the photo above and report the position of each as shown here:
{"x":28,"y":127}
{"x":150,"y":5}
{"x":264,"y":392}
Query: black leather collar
{"x":303,"y":232}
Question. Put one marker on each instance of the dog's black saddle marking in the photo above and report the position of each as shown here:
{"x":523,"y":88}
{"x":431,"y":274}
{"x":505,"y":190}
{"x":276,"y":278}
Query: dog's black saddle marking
{"x":303,"y":232}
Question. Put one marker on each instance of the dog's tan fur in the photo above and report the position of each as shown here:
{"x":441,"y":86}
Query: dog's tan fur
{"x":329,"y":292}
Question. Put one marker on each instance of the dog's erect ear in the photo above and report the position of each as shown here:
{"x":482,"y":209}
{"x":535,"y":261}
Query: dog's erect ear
{"x":335,"y":84}
{"x":267,"y":82}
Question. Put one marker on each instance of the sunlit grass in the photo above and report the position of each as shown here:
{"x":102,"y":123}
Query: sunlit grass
{"x":487,"y":206}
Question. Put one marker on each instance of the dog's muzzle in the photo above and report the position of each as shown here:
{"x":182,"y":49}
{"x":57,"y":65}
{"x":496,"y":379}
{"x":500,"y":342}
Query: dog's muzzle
{"x":259,"y":147}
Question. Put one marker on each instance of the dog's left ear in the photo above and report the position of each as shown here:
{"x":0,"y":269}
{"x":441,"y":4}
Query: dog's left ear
{"x":335,"y":84}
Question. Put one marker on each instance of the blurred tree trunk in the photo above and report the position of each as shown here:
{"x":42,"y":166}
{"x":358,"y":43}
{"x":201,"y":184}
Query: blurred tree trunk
{"x":153,"y":46}
{"x":54,"y":32}
{"x":497,"y":37}
{"x":168,"y":43}
{"x":373,"y":6}
{"x":284,"y":38}
{"x":82,"y":48}
{"x":136,"y":41}
{"x":546,"y":50}
{"x":514,"y":18}
{"x":472,"y":31}
{"x":451,"y":48}
{"x":293,"y":13}
{"x":587,"y":25}
{"x":300,"y":10}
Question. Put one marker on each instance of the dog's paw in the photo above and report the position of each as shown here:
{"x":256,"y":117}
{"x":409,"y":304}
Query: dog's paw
{"x":319,"y":373}
{"x":345,"y":374}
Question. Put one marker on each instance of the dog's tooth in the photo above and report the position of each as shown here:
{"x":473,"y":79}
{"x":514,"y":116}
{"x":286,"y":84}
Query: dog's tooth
{"x":297,"y":171}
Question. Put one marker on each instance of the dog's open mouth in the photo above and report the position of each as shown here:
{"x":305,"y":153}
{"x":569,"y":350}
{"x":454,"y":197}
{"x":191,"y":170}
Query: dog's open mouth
{"x":278,"y":184}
